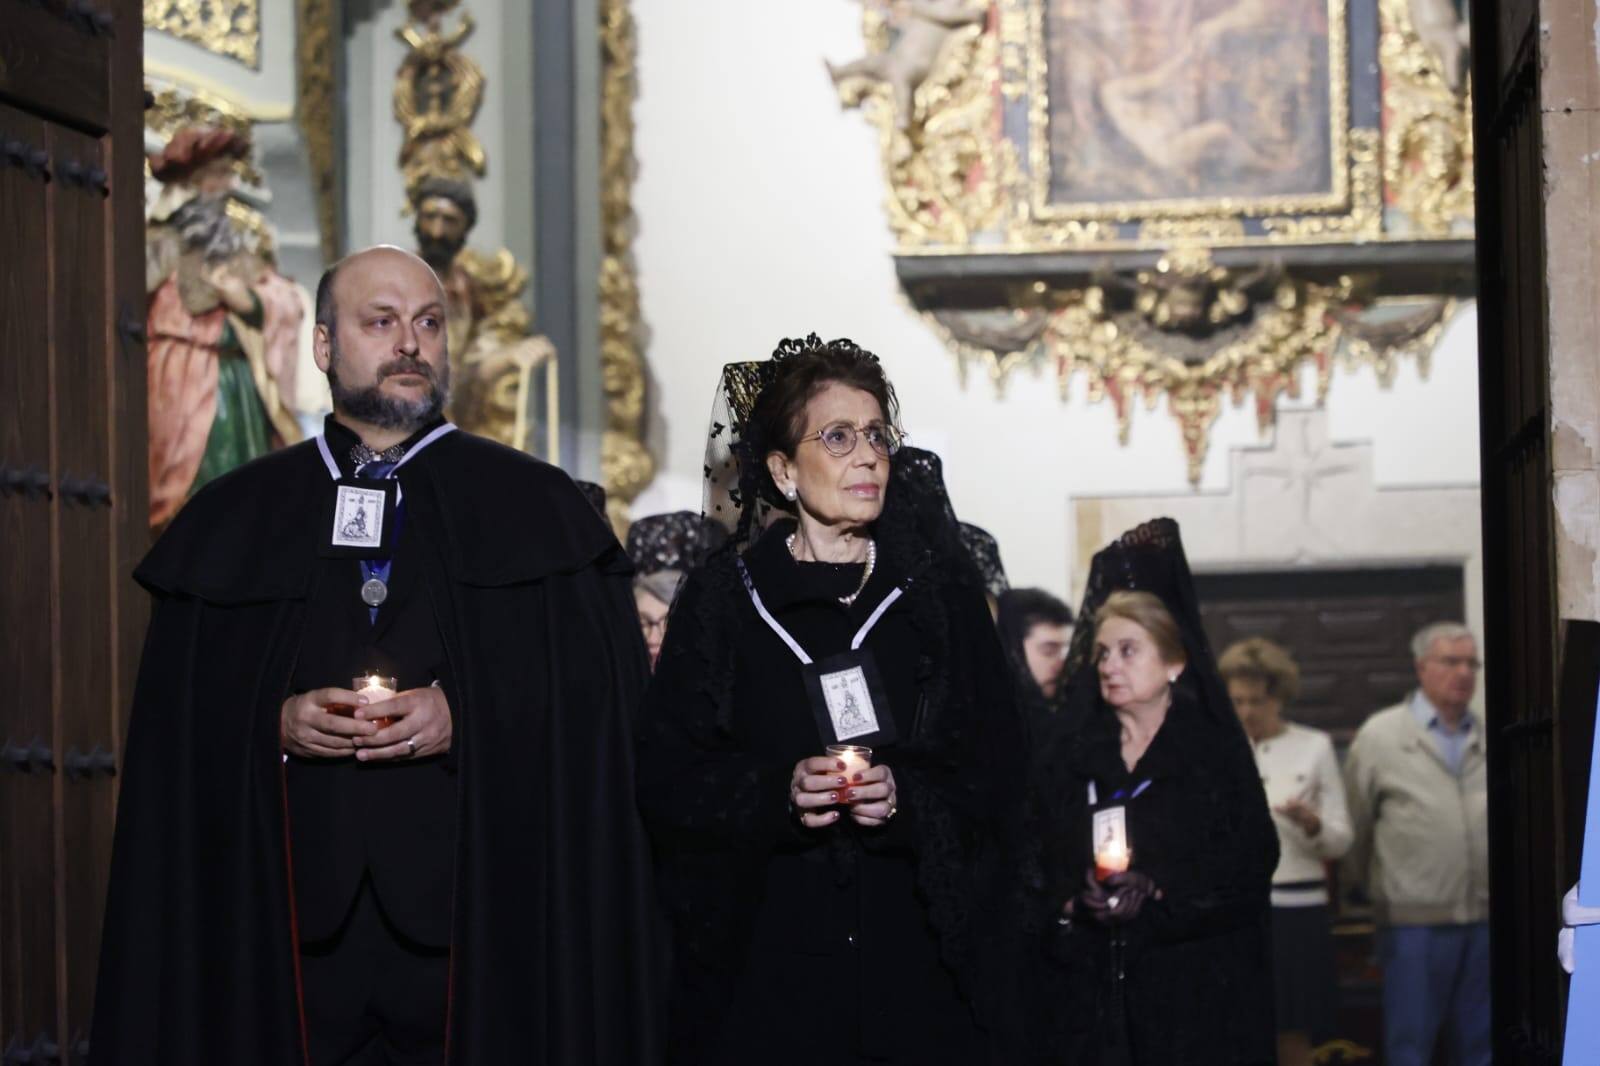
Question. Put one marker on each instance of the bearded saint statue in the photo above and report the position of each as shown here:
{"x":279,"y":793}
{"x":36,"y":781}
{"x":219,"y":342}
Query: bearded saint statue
{"x":223,"y":326}
{"x":493,"y":350}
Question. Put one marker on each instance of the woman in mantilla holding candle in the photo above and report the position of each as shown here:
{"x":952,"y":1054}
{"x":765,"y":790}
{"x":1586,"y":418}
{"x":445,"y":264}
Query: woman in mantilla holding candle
{"x":824,"y":903}
{"x":1149,"y":845}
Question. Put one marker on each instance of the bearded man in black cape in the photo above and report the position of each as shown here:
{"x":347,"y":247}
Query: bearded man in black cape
{"x":454,"y":875}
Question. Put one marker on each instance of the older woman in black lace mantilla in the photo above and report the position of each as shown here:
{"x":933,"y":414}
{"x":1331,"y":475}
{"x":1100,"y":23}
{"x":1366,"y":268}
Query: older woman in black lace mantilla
{"x":823,"y":912}
{"x":1150,"y":846}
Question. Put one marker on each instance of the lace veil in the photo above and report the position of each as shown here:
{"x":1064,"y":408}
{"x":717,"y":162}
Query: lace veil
{"x":918,"y":525}
{"x":1149,"y":558}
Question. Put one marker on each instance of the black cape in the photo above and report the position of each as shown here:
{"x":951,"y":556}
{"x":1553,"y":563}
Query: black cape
{"x":554,"y":957}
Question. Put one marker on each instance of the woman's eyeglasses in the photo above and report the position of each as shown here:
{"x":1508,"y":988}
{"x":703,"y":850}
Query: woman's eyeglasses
{"x":840,"y":438}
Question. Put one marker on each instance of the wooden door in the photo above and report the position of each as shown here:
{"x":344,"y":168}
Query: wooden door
{"x":72,"y":494}
{"x":1530,"y":844}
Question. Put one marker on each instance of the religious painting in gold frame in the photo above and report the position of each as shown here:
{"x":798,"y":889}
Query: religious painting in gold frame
{"x":1093,"y":187}
{"x":990,"y":148}
{"x":1179,"y":108}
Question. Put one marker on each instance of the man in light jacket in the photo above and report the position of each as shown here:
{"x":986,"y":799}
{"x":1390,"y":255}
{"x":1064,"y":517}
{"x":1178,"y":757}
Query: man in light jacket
{"x":1418,"y":793}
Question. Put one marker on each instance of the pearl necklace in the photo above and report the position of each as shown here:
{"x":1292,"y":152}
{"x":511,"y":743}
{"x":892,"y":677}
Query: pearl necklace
{"x":866,"y":572}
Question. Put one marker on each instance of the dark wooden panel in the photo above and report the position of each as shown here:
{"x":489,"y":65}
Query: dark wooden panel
{"x":72,"y":405}
{"x":126,"y":410}
{"x":56,"y":66}
{"x":82,"y":307}
{"x":1526,"y":837}
{"x":1349,"y":630}
{"x":28,"y":1002}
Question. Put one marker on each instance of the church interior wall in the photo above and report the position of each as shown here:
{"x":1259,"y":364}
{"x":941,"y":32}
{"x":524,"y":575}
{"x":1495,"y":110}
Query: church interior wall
{"x":761,"y":216}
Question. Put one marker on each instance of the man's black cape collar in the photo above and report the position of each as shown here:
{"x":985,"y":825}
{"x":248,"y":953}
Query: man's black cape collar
{"x":497,"y":517}
{"x":342,"y":440}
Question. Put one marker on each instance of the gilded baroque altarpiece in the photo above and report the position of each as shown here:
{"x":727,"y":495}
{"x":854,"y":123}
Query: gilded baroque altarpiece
{"x":229,"y":28}
{"x":1189,"y":198}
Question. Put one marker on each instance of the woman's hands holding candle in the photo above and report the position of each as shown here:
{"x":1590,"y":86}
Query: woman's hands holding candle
{"x":420,"y":725}
{"x":872,"y":796}
{"x":1116,"y":900}
{"x":815,"y":788}
{"x":318,"y":725}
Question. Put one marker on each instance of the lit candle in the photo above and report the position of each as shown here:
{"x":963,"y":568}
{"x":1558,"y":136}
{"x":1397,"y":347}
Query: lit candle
{"x":1111,"y":857}
{"x":376,"y":688}
{"x":856,"y":757}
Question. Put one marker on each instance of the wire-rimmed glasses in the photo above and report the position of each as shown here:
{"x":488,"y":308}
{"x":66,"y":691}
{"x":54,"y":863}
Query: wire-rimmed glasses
{"x":840,"y":438}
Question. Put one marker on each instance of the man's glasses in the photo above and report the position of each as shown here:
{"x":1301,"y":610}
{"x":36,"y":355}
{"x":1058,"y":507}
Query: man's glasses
{"x":840,"y":438}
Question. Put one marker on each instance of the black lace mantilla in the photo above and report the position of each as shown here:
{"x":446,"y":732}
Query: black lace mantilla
{"x":678,"y":540}
{"x":985,"y":552}
{"x":1147,"y":558}
{"x":918,"y":533}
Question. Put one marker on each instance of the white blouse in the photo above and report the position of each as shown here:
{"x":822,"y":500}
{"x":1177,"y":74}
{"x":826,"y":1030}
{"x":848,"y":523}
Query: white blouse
{"x":1299,"y":762}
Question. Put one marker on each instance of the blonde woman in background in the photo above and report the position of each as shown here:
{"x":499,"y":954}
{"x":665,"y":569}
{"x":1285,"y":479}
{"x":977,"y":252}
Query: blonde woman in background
{"x":1306,"y":792}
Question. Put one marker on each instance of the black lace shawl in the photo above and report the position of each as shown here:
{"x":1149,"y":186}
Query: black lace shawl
{"x":676,"y":540}
{"x":985,"y":552}
{"x":1227,"y":889}
{"x":958,"y":770}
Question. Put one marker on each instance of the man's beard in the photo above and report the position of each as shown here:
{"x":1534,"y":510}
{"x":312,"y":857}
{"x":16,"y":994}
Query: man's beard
{"x":438,"y":252}
{"x":369,"y":404}
{"x":203,"y":225}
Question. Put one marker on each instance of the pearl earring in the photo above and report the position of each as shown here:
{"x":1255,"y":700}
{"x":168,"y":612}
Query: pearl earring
{"x":1172,"y":679}
{"x":791,"y":494}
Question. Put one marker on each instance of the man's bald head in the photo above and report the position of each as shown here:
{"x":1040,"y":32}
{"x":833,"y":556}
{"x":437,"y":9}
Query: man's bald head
{"x":377,"y":257}
{"x":381,"y":338}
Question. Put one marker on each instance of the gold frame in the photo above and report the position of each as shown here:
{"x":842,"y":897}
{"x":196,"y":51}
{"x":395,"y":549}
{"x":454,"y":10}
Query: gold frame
{"x":228,"y":28}
{"x":626,"y":465}
{"x":958,"y":186}
{"x":1427,"y":137}
{"x":1042,"y":208}
{"x":316,"y":41}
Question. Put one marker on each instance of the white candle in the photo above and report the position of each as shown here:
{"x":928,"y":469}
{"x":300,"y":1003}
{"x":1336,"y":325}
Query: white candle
{"x":376,"y":688}
{"x":856,"y":757}
{"x":1111,"y":857}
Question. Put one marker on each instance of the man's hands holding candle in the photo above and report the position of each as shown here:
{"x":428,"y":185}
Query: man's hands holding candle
{"x":317,"y":724}
{"x":822,"y":784}
{"x":320,"y":725}
{"x":420,"y":725}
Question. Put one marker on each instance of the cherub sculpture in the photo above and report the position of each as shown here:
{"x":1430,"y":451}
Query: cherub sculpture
{"x":1190,"y":294}
{"x":1440,"y":26}
{"x":922,"y":29}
